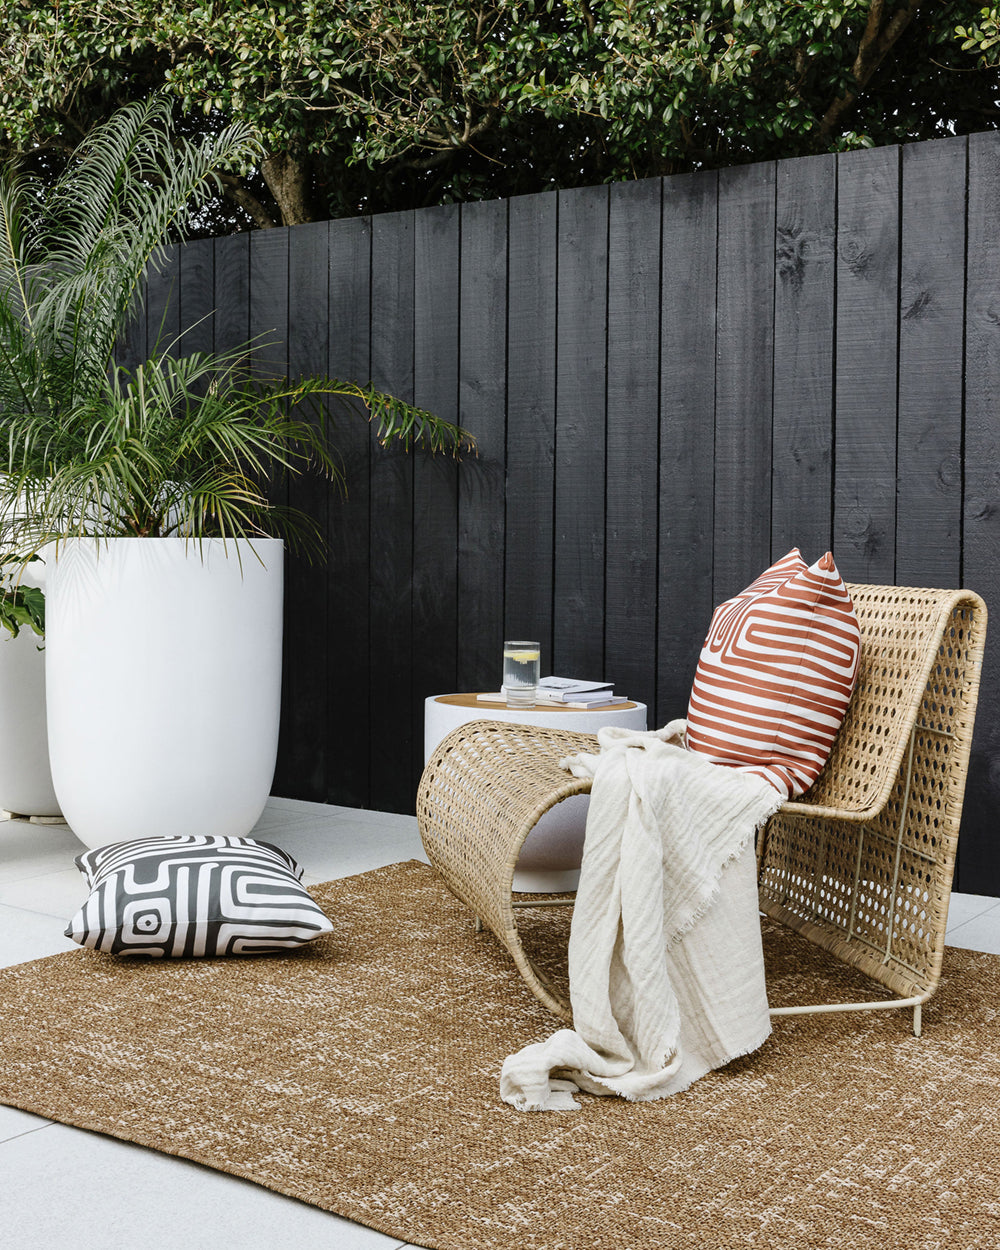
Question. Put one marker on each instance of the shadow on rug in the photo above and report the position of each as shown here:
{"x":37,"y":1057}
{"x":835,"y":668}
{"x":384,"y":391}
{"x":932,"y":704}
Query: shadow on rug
{"x":361,"y":1074}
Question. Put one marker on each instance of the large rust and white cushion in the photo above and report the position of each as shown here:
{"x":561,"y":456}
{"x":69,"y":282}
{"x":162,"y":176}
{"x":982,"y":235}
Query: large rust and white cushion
{"x":776,"y":674}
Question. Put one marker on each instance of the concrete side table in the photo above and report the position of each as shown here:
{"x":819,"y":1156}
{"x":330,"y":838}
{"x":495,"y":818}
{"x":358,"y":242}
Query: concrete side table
{"x":550,"y":858}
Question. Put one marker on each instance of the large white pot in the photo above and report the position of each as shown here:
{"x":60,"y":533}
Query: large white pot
{"x":25,"y":776}
{"x":163,"y":674}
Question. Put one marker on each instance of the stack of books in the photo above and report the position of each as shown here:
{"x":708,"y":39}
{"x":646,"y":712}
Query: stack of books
{"x":568,"y":692}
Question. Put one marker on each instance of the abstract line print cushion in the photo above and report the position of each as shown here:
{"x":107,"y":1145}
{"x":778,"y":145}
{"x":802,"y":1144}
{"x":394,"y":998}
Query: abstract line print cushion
{"x":192,"y":896}
{"x":776,"y":674}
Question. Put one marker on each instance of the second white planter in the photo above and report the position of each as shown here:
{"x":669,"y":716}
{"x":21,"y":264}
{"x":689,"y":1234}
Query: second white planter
{"x":163,"y":680}
{"x":25,"y":777}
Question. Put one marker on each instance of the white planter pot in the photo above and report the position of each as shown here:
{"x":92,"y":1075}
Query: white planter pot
{"x":163,"y":674}
{"x":25,"y":776}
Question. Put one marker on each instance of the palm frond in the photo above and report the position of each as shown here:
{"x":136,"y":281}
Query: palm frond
{"x":13,"y":249}
{"x":413,"y":427}
{"x":102,"y":222}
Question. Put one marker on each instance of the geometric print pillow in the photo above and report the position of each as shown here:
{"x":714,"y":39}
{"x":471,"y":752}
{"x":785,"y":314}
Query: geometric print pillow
{"x":776,"y":674}
{"x":193,"y":896}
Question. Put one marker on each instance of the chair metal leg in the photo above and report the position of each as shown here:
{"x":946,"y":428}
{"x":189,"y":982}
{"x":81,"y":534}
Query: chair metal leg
{"x":888,"y":1004}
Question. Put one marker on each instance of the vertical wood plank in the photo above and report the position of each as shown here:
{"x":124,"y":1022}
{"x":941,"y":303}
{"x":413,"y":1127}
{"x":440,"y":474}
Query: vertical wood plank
{"x":864,"y":522}
{"x":197,"y":296}
{"x":531,"y":421}
{"x":687,"y":434}
{"x":163,"y":302}
{"x":306,"y":676}
{"x":269,"y":301}
{"x":805,"y":269}
{"x":268,"y":325}
{"x":743,"y":401}
{"x":632,"y":438}
{"x":349,"y":521}
{"x":232,"y":291}
{"x":932,"y":294}
{"x":391,"y":551}
{"x":436,"y":639}
{"x":979,"y":864}
{"x":130,"y":346}
{"x":581,"y":456}
{"x":482,"y":409}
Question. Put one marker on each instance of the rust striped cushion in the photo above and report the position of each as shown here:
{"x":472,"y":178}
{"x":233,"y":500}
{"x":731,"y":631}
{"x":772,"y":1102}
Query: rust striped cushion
{"x":776,"y":674}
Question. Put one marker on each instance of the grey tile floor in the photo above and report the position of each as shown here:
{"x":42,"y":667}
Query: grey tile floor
{"x":60,"y":1186}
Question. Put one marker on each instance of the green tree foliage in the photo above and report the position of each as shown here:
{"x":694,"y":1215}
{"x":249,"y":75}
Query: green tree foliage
{"x":982,"y":35}
{"x":382,"y":104}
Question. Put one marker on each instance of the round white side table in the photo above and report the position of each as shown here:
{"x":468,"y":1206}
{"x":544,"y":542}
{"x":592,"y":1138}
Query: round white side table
{"x":550,"y":858}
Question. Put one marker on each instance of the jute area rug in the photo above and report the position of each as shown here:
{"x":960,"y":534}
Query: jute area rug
{"x":361,"y":1074}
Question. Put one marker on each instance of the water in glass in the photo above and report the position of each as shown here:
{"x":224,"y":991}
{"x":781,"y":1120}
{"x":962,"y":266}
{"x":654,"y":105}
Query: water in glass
{"x":520,"y":672}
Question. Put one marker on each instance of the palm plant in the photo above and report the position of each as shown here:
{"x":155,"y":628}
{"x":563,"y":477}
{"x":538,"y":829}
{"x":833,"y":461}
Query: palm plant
{"x":20,"y":606}
{"x":179,"y":444}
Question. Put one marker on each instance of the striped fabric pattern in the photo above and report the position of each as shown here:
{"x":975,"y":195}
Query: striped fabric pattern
{"x":194,"y":896}
{"x":776,"y":674}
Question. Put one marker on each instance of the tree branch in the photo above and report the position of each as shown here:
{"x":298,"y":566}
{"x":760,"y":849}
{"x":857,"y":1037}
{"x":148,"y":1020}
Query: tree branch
{"x":287,"y":176}
{"x":875,"y":44}
{"x":234,"y":190}
{"x":588,"y":16}
{"x":464,"y":141}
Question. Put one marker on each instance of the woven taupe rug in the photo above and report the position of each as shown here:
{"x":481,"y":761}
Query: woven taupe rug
{"x":361,"y":1074}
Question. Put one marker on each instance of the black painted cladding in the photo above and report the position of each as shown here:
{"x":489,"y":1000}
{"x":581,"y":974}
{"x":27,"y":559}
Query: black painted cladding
{"x":673,"y":382}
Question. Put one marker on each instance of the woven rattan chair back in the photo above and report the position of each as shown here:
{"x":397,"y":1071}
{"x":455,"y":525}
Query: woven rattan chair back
{"x":860,"y":865}
{"x":863,"y":864}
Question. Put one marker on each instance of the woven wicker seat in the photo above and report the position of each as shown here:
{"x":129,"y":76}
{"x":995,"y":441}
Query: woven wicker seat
{"x":861,"y":864}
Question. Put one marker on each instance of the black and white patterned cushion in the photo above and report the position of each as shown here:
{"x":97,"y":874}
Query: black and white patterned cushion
{"x":184,"y":896}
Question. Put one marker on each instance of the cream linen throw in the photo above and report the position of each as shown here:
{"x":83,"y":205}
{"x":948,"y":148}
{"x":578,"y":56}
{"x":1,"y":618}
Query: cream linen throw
{"x":665,"y":961}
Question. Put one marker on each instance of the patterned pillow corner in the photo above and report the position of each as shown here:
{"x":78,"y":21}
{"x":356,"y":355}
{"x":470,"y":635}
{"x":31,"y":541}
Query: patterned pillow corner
{"x":776,"y":674}
{"x":194,"y":896}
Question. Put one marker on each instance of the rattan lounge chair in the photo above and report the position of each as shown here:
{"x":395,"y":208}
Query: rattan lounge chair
{"x":861,"y":865}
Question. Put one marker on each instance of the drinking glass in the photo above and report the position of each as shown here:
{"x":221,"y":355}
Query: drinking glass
{"x":520,"y":672}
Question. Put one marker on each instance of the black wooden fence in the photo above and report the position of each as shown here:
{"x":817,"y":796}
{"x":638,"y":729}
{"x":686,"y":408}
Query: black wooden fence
{"x":672,"y":382}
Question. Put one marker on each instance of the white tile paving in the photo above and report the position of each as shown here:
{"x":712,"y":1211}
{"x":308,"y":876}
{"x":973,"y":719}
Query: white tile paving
{"x":57,"y":893}
{"x":28,"y":935}
{"x":14,"y":1123}
{"x":28,"y":850}
{"x":61,"y":1186}
{"x":980,"y":933}
{"x":965,"y":907}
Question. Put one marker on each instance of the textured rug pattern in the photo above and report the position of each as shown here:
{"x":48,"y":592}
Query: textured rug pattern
{"x":360,"y":1074}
